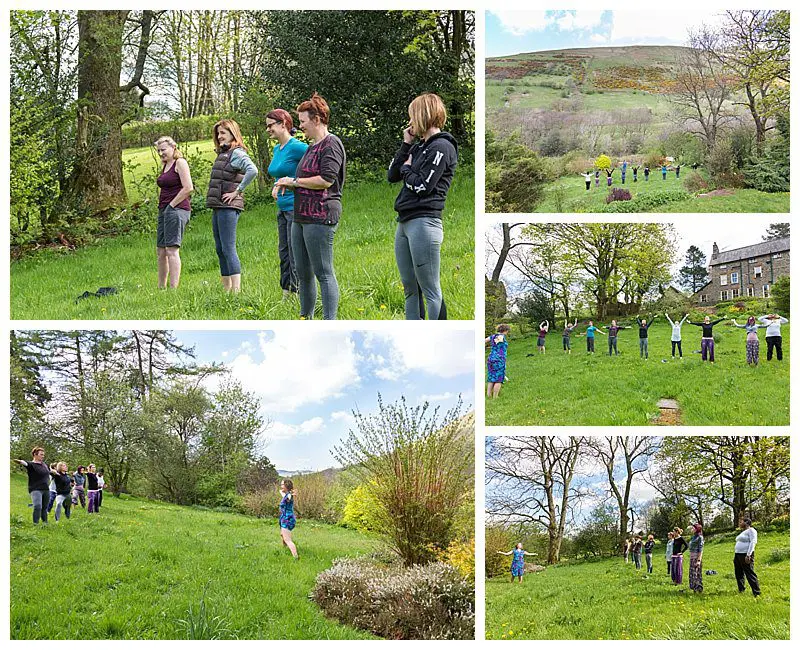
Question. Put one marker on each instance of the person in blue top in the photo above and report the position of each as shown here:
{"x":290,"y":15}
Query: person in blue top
{"x":664,"y":171}
{"x":590,"y":337}
{"x":496,"y":363}
{"x":517,"y":562}
{"x":624,"y":170}
{"x":285,"y":157}
{"x":287,"y":520}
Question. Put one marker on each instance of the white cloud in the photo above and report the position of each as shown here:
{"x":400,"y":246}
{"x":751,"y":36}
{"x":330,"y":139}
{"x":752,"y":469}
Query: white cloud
{"x":519,"y":23}
{"x":343,"y":416}
{"x":444,"y":355}
{"x":633,"y":27}
{"x":312,"y":425}
{"x":299,"y":370}
{"x":284,"y":431}
{"x":440,"y":397}
{"x":598,"y":38}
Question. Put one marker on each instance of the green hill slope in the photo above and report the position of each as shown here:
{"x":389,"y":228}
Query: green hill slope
{"x":135,"y":570}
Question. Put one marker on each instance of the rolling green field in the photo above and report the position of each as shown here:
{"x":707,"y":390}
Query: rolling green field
{"x":609,"y":599}
{"x":45,"y":286}
{"x":583,"y":389}
{"x":139,"y":568}
{"x":575,"y":198}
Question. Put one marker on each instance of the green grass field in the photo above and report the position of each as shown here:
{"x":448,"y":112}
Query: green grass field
{"x":135,"y":570}
{"x":575,"y":198}
{"x":45,"y":286}
{"x":609,"y":599}
{"x":582,"y":389}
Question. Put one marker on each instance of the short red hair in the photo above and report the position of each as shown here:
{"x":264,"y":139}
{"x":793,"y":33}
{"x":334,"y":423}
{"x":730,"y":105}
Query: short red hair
{"x":316,"y":106}
{"x":282,"y":116}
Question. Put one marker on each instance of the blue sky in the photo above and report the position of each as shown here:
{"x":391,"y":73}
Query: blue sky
{"x":515,"y":31}
{"x":309,"y":385}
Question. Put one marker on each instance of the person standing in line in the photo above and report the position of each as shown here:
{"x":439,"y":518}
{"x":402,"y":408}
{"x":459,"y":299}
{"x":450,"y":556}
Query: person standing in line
{"x":517,"y":562}
{"x":92,"y":489}
{"x":664,"y":171}
{"x":318,"y":186}
{"x":496,"y":362}
{"x":174,"y":210}
{"x":677,"y":171}
{"x":287,"y":519}
{"x":644,"y":325}
{"x":590,"y":331}
{"x":696,"y":559}
{"x":79,"y":487}
{"x":744,"y":558}
{"x":635,"y":172}
{"x":624,"y":170}
{"x":707,"y":341}
{"x":676,"y":335}
{"x":285,"y":157}
{"x":544,"y":327}
{"x":63,"y":488}
{"x":648,"y":552}
{"x":751,"y":341}
{"x":609,"y":173}
{"x":101,"y":483}
{"x":670,"y":543}
{"x":597,"y":178}
{"x":646,"y":173}
{"x":587,"y":177}
{"x":612,"y":336}
{"x":637,"y":552}
{"x":38,"y":483}
{"x":773,"y":334}
{"x":53,"y":493}
{"x":626,"y":550}
{"x":566,"y":341}
{"x":679,"y":545}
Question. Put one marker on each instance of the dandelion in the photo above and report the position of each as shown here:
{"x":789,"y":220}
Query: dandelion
{"x":383,"y":306}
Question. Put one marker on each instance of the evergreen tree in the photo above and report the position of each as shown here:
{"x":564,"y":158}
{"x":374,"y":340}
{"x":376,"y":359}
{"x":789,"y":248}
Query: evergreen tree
{"x":693,"y":273}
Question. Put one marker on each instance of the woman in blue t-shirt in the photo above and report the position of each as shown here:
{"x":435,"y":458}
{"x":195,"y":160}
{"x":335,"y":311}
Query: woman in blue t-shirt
{"x":285,"y":157}
{"x":287,"y":520}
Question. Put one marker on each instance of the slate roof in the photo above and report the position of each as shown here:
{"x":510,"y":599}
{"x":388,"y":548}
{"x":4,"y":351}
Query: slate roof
{"x":747,"y":252}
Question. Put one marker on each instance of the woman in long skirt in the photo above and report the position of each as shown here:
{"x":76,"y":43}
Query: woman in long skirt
{"x":518,"y":561}
{"x":679,"y":545}
{"x":751,"y":343}
{"x":696,"y":559}
{"x":496,"y":363}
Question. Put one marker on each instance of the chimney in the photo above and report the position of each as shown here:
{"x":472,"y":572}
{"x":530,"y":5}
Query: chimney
{"x":714,"y":250}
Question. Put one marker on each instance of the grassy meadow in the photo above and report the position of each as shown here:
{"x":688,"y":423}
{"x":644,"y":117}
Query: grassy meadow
{"x":608,"y":599}
{"x":46,"y":285}
{"x":150,"y":570}
{"x":583,"y":389}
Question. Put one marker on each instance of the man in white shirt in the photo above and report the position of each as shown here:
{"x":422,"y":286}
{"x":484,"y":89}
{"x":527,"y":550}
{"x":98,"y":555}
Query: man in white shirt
{"x":744,"y":557}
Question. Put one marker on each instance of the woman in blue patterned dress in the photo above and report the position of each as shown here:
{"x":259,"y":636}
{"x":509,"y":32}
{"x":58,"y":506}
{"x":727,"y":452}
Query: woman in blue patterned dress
{"x":517,"y":562}
{"x":496,"y":363}
{"x":287,"y":520}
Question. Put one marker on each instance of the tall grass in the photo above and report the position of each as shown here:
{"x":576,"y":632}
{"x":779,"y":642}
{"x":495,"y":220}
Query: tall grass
{"x":609,"y":599}
{"x":582,"y":389}
{"x":150,"y":570}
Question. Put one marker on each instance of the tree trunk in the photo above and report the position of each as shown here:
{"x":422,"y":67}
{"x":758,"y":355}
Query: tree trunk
{"x":97,"y":176}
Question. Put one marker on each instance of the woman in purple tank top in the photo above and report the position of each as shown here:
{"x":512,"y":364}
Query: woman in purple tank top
{"x":174,"y":210}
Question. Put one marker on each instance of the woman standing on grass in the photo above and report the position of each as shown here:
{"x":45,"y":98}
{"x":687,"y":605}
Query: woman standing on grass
{"x":648,"y":552}
{"x":609,"y":173}
{"x":101,"y":483}
{"x":646,"y":173}
{"x":231,"y":173}
{"x":696,"y":559}
{"x":670,"y":543}
{"x":79,"y":489}
{"x":588,"y":178}
{"x":174,"y":210}
{"x":92,"y":489}
{"x":626,"y":549}
{"x":565,"y":336}
{"x":317,"y":209}
{"x":644,"y":325}
{"x":707,"y":342}
{"x":590,"y":337}
{"x":544,"y":327}
{"x":751,"y":341}
{"x":664,"y":171}
{"x":287,"y":520}
{"x":676,"y":334}
{"x":286,"y":155}
{"x":426,"y":169}
{"x":496,"y":363}
{"x":597,"y":178}
{"x":38,"y":483}
{"x":63,"y":483}
{"x":613,"y":331}
{"x":679,"y":545}
{"x":774,"y":339}
{"x":744,"y":557}
{"x":637,"y":552}
{"x":517,"y":562}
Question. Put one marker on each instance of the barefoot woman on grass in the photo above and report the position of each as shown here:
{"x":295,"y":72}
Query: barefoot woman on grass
{"x":231,"y":173}
{"x":174,"y":210}
{"x":496,"y":363}
{"x":518,"y":561}
{"x":287,"y":520}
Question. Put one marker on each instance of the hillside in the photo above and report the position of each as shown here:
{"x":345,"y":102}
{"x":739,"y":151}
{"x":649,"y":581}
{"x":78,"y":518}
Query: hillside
{"x":609,"y":599}
{"x":140,"y":568}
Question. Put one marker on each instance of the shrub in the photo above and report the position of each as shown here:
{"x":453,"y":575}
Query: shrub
{"x":360,"y":510}
{"x":602,"y":162}
{"x":777,"y":555}
{"x":461,"y":555}
{"x":312,"y":496}
{"x":781,"y":294}
{"x":260,"y":504}
{"x":419,"y":602}
{"x":420,"y":470}
{"x":646,"y":202}
{"x":497,"y":539}
{"x":695,"y":182}
{"x":618,"y":194}
{"x":780,"y":523}
{"x":515,"y":176}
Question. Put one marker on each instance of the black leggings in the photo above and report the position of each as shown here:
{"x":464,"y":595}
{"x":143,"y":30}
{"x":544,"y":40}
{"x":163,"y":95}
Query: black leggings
{"x":776,"y":343}
{"x":680,"y":350}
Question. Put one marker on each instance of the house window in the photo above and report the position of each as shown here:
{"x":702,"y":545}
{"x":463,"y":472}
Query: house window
{"x":765,"y":291}
{"x":723,"y":295}
{"x":703,"y":297}
{"x":777,"y":256}
{"x":734,"y":293}
{"x":757,"y":271}
{"x":723,"y":267}
{"x":752,"y":260}
{"x":750,"y":292}
{"x":734,"y":278}
{"x":723,"y":280}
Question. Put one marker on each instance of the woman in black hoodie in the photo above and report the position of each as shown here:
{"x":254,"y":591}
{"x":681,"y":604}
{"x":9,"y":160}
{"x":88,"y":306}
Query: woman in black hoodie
{"x":426,"y":169}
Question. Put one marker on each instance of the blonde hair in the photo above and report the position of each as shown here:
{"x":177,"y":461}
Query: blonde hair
{"x":233,"y":128}
{"x":165,"y":139}
{"x":59,"y":464}
{"x":679,"y":531}
{"x":425,"y":112}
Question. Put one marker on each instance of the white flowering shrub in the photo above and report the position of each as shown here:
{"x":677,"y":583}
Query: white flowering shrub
{"x":431,"y":601}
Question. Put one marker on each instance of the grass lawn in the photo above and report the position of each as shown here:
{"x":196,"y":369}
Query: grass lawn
{"x":583,"y":389}
{"x":135,"y":570}
{"x":609,"y":599}
{"x":575,"y":198}
{"x":45,"y":286}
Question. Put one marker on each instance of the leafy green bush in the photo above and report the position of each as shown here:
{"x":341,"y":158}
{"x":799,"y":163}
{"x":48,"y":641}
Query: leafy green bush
{"x":781,"y":294}
{"x":144,"y":134}
{"x":515,"y":175}
{"x":420,"y":602}
{"x":497,"y":539}
{"x":770,"y":172}
{"x":360,"y":510}
{"x":780,"y":523}
{"x":777,"y":555}
{"x":602,"y":162}
{"x":646,"y":202}
{"x":461,"y":555}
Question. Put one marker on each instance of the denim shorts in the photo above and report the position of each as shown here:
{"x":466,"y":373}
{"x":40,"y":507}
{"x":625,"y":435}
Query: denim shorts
{"x":171,"y":225}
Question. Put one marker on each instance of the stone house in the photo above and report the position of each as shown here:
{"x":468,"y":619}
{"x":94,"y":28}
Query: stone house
{"x":747,"y":272}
